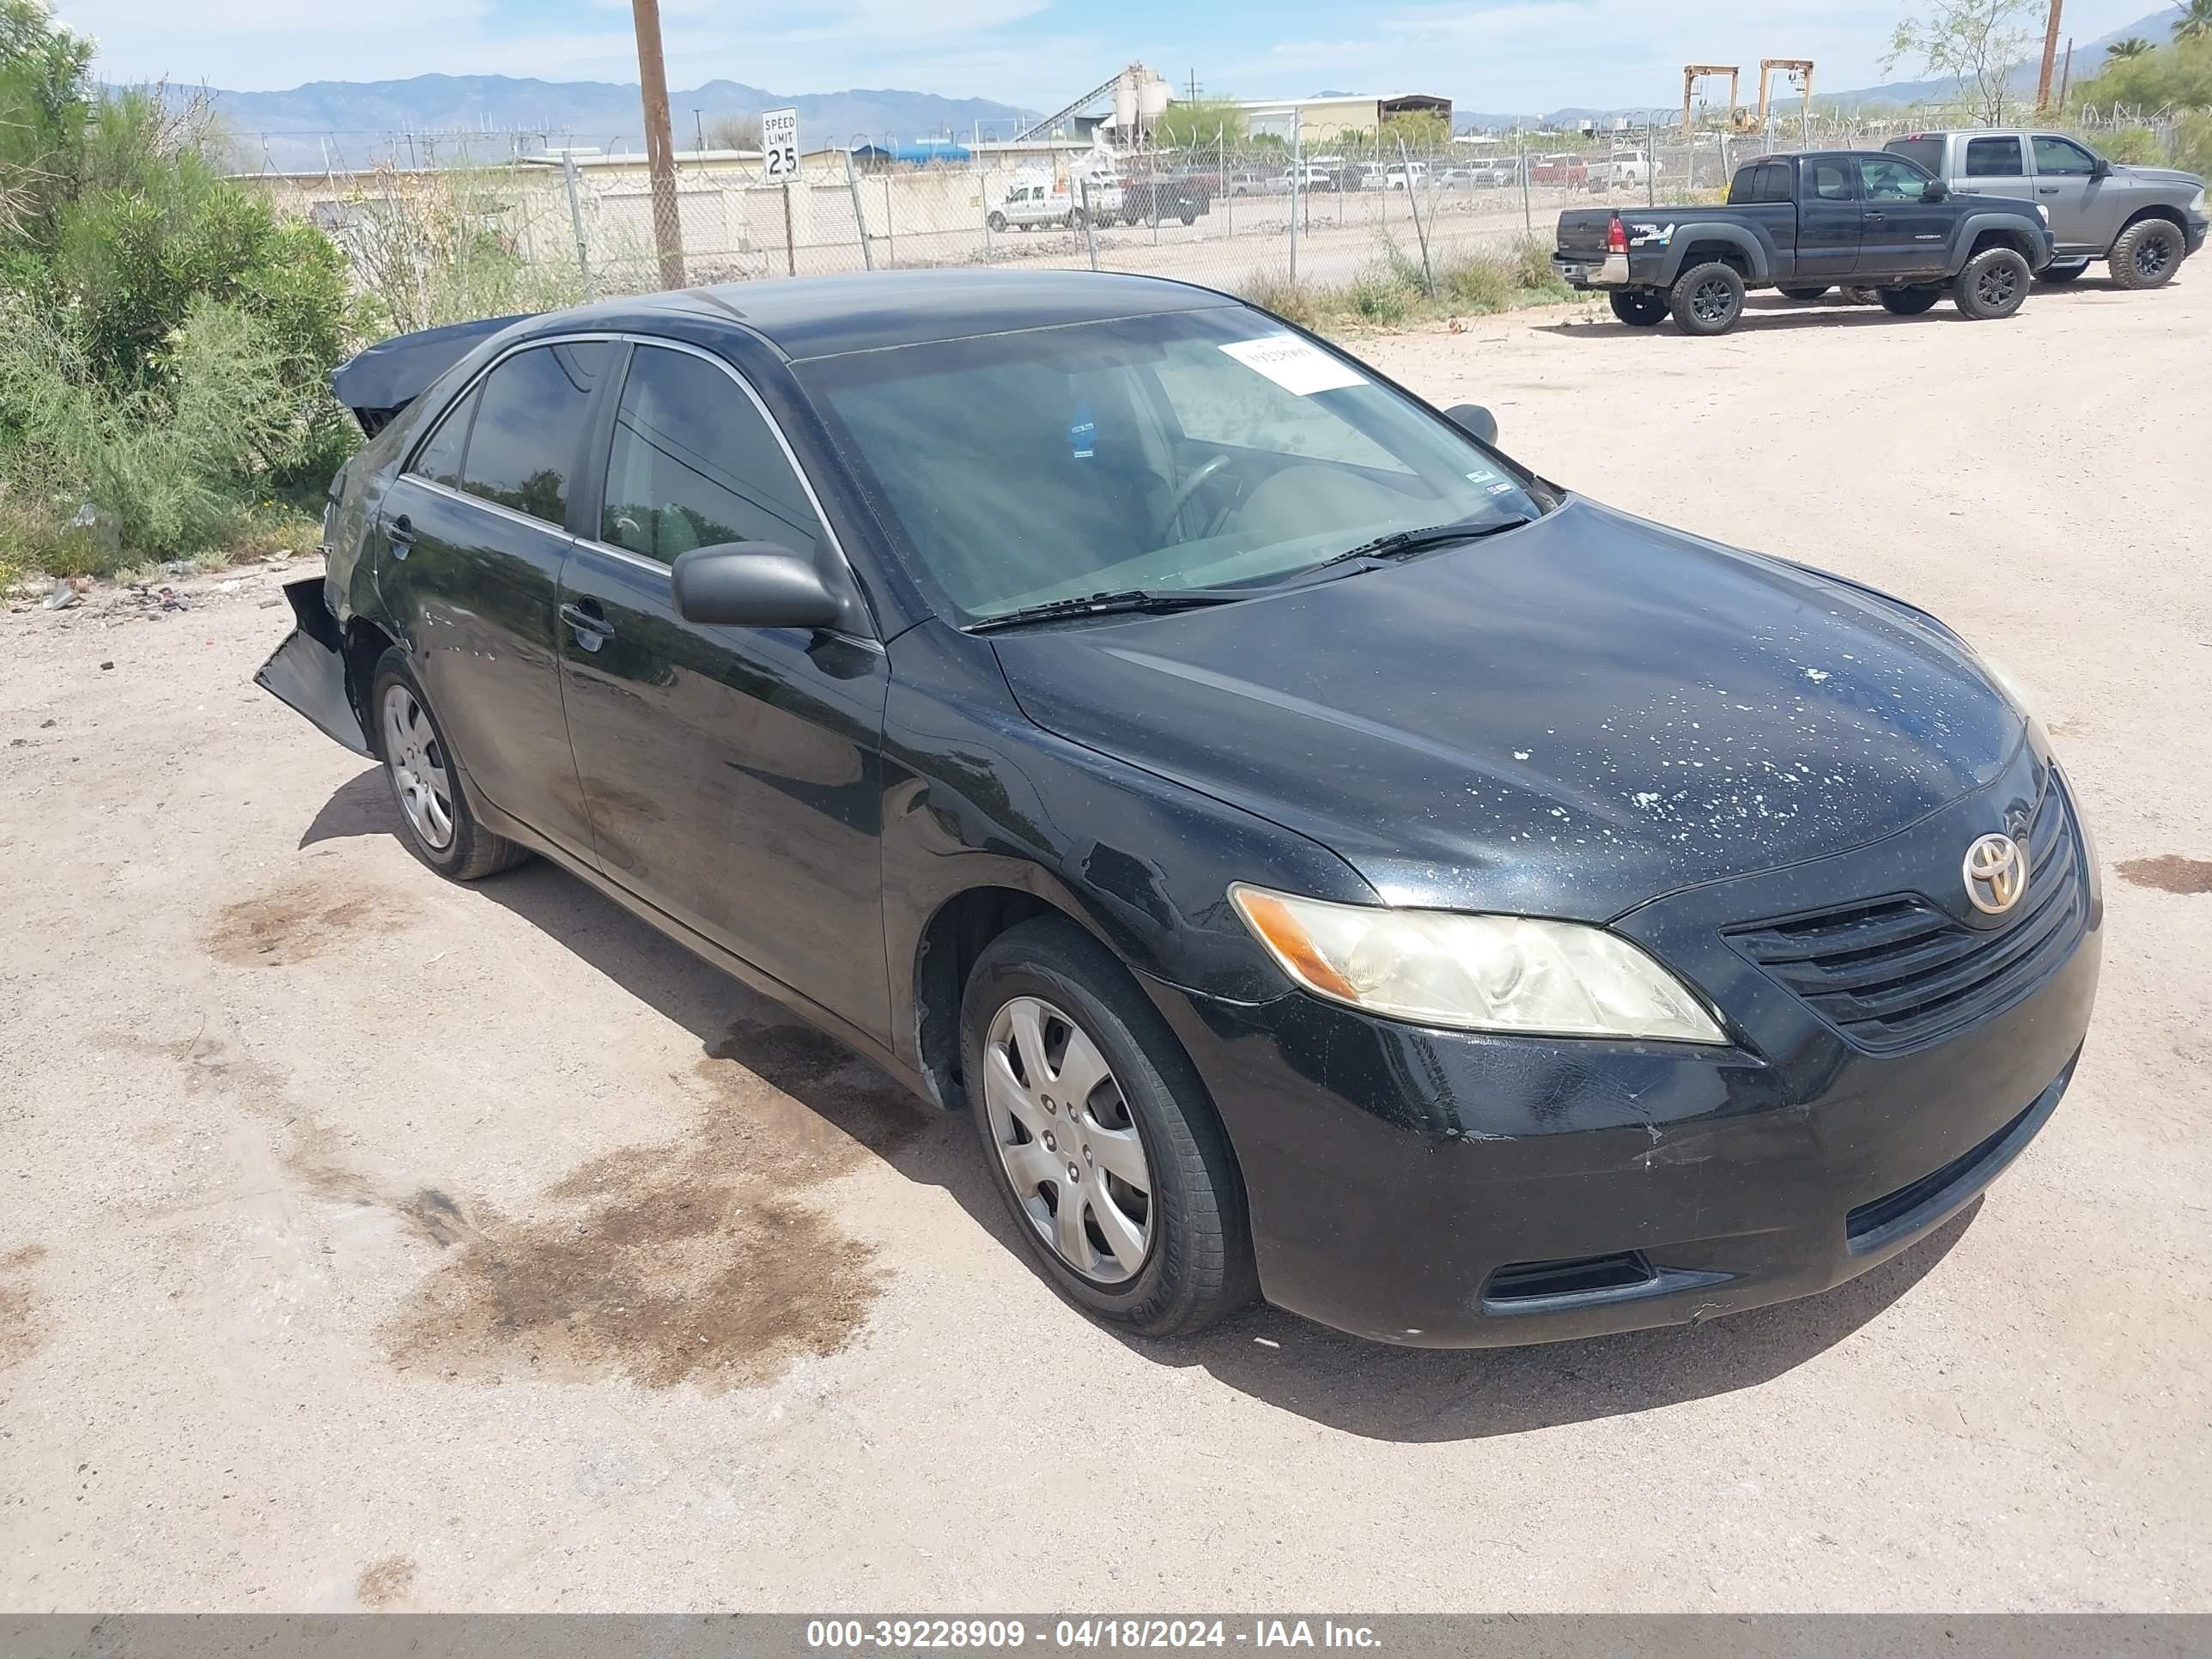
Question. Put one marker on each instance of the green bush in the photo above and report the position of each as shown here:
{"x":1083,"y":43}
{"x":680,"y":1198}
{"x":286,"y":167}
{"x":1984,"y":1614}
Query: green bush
{"x":1477,"y":285}
{"x":170,"y":469}
{"x":165,"y":341}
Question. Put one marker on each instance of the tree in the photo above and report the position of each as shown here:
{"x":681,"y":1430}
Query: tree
{"x":2196,"y":22}
{"x":1418,"y":129}
{"x":1195,"y":124}
{"x":2133,"y":47}
{"x":735,"y":132}
{"x":1975,"y":42}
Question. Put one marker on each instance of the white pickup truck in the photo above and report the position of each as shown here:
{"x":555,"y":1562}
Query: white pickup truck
{"x":1624,"y":169}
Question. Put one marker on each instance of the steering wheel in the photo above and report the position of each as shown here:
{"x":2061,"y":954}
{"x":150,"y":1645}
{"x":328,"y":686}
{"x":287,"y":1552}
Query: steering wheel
{"x":1185,"y":490}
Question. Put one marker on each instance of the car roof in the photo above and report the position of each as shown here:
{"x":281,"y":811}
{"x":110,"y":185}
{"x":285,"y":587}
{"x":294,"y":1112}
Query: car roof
{"x":828,"y":316}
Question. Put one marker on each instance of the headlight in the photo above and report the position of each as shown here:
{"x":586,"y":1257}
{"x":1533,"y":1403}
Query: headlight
{"x":1475,"y":972}
{"x":2196,"y":202}
{"x":2043,"y":213}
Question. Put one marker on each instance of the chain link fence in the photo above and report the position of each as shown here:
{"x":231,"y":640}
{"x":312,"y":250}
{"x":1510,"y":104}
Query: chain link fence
{"x":525,"y":232}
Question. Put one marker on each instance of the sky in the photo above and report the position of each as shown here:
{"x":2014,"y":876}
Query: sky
{"x":1496,"y":55}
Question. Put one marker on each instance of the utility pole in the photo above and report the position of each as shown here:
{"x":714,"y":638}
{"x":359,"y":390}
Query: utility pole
{"x":698,"y":131}
{"x":2066,"y":77}
{"x":2050,"y":56}
{"x":659,"y":147}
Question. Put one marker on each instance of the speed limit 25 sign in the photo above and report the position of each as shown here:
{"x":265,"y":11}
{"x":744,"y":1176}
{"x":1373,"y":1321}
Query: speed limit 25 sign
{"x":779,"y":144}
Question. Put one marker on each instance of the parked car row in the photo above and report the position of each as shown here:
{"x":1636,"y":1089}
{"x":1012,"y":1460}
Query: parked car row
{"x":1907,"y":225}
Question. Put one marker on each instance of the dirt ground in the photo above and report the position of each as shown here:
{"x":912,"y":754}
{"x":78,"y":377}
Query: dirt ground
{"x":367,"y":1241}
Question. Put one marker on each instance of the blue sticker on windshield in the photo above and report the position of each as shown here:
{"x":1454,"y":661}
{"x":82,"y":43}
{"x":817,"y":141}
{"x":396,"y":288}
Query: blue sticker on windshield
{"x":1082,"y":432}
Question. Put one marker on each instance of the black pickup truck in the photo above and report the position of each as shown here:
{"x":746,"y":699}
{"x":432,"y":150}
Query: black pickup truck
{"x":1861,"y":219}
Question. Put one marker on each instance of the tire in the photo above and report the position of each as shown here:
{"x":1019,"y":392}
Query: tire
{"x":1639,"y":309}
{"x":997,"y":222}
{"x":2056,"y":273}
{"x":2147,"y":254}
{"x":1707,"y":298}
{"x":419,"y":767}
{"x":1992,"y":284}
{"x":1804,"y":292}
{"x":1189,"y":219}
{"x":1910,"y":301}
{"x":1196,"y":1264}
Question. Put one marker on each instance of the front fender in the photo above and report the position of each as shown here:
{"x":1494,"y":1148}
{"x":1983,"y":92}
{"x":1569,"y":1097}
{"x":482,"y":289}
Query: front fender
{"x":976,"y":795}
{"x":2012,"y":226}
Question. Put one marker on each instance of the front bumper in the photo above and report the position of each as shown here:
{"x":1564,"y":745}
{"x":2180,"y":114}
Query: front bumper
{"x":1455,"y":1190}
{"x":2193,"y":233}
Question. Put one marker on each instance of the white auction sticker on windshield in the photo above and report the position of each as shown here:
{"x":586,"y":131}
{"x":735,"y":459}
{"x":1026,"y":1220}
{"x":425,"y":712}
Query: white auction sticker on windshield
{"x":1295,"y":365}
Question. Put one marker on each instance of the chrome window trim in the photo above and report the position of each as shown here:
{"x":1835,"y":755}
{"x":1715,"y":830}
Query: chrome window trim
{"x":500,"y":507}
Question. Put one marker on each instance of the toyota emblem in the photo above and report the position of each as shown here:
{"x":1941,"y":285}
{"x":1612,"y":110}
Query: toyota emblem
{"x":1996,"y":874}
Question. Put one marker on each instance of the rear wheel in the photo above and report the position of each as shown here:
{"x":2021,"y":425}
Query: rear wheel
{"x":1639,"y":309}
{"x":1992,"y":284}
{"x":1910,"y":301}
{"x":1188,"y":217}
{"x":2056,"y":273}
{"x":2147,"y":254}
{"x":435,"y":822}
{"x":997,"y":220}
{"x":1099,"y":1136}
{"x":1805,"y":293}
{"x":1707,"y":298}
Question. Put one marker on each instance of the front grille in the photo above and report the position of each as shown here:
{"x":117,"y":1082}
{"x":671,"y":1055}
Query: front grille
{"x":1897,"y":972}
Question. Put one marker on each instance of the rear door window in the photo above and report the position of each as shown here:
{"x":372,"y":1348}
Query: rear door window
{"x":1994,"y":158}
{"x":529,"y":429}
{"x":440,"y":459}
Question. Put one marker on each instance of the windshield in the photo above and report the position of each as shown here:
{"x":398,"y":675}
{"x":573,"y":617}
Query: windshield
{"x":1201,"y":449}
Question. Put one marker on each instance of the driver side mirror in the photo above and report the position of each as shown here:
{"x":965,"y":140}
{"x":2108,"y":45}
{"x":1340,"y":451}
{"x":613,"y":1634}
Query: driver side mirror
{"x":1473,"y":420}
{"x":752,"y":585}
{"x":2099,"y":167}
{"x":1934,"y":191}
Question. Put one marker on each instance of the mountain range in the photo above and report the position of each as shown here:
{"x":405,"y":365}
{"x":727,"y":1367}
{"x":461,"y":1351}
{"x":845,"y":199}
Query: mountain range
{"x":442,"y":118}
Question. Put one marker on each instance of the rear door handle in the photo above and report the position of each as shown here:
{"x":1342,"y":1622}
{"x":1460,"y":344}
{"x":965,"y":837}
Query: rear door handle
{"x":400,"y":532}
{"x":589,"y":624}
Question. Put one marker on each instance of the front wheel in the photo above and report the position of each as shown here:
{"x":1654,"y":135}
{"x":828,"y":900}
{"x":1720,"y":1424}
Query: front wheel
{"x":1805,"y":293}
{"x":1099,"y":1136}
{"x":2056,"y":274}
{"x":435,"y":822}
{"x":1910,"y":301}
{"x":1707,"y":298}
{"x":1639,"y":309}
{"x":1993,"y":284}
{"x":2147,"y":254}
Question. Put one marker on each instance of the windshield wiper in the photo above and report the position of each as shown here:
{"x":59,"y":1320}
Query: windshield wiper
{"x":1103,"y":605}
{"x":1399,"y":543}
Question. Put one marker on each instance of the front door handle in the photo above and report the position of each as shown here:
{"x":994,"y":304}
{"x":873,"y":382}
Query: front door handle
{"x":400,"y":532}
{"x":1875,"y":219}
{"x":589,"y":624}
{"x":2047,"y":190}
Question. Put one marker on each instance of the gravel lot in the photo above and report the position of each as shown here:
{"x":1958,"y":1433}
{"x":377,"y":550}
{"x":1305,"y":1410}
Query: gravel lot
{"x":351,"y":1242}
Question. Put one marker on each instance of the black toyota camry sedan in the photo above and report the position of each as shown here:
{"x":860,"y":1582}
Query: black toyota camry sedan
{"x":1328,"y":862}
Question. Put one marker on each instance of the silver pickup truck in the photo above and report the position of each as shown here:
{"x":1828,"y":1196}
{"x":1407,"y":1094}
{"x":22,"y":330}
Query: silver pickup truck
{"x":2145,"y":220}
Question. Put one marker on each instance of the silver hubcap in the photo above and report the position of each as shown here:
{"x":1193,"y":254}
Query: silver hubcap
{"x":1070,"y":1146}
{"x":418,"y":761}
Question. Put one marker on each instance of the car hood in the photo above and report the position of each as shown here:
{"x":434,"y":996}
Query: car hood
{"x":2162,"y":176}
{"x":1568,"y":720}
